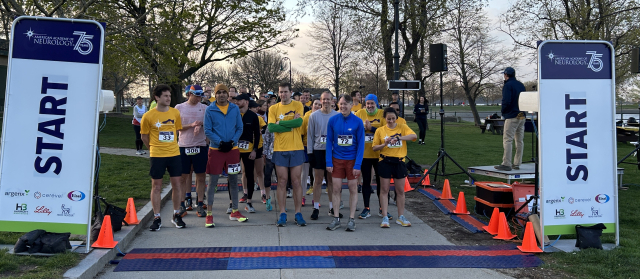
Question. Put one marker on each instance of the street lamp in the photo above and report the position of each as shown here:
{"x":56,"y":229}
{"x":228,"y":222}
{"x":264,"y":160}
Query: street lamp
{"x":290,"y":79}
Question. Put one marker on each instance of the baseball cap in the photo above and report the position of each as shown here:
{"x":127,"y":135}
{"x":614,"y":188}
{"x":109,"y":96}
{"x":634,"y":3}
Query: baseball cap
{"x":253,"y":104}
{"x":242,"y":97}
{"x":269,"y":93}
{"x":509,"y":71}
{"x":195,"y":90}
{"x":296,"y":94}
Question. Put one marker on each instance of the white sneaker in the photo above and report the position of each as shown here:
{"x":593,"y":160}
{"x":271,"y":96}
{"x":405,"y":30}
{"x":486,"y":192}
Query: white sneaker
{"x":138,"y":152}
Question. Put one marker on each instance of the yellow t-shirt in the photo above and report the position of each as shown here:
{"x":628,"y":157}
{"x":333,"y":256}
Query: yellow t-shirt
{"x":212,"y":99}
{"x":305,"y":125}
{"x":162,"y":128}
{"x":399,"y":149}
{"x":377,"y":121}
{"x":401,"y":120}
{"x":357,"y":107}
{"x":309,"y":103}
{"x":224,"y":109}
{"x":262,"y":124}
{"x":288,"y":141}
{"x":153,"y":105}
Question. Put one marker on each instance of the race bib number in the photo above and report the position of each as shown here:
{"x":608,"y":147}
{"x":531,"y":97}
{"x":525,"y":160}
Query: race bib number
{"x":345,"y":140}
{"x":192,"y":150}
{"x":368,"y":138}
{"x":398,"y":144}
{"x":166,"y":136}
{"x":243,"y":144}
{"x":234,"y":169}
{"x":323,"y":139}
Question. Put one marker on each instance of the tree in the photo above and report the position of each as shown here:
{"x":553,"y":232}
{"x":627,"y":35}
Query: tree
{"x":264,"y":70}
{"x":332,"y":43}
{"x":617,"y":21}
{"x":474,"y":55}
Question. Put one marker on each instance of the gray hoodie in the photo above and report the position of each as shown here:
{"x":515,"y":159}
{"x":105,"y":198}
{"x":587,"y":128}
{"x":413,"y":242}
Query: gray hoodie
{"x":317,"y":129}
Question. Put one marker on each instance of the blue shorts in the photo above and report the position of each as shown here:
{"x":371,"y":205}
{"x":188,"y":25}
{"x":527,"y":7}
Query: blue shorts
{"x":288,"y":158}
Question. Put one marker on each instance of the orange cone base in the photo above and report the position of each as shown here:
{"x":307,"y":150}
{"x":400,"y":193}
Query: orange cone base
{"x":461,"y":213}
{"x":504,"y":237}
{"x":534,"y":250}
{"x":529,"y":244}
{"x":104,"y":245}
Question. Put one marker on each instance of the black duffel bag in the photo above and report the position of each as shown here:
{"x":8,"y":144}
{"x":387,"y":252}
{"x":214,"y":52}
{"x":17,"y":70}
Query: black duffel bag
{"x":589,"y":237}
{"x":40,"y":241}
{"x":117,"y":215}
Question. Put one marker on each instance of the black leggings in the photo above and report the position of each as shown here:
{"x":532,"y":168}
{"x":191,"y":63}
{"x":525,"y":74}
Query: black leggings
{"x":367,"y":163}
{"x":136,"y":128}
{"x":268,"y":171}
{"x":248,"y":172}
{"x":422,"y":124}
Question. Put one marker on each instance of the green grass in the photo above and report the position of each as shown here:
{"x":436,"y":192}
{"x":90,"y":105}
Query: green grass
{"x":469,"y":147}
{"x":118,"y":132}
{"x":12,"y":266}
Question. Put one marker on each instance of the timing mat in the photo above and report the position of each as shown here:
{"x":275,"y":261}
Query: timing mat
{"x":294,"y":257}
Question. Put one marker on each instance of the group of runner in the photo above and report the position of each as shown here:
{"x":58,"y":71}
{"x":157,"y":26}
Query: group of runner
{"x":235,"y":135}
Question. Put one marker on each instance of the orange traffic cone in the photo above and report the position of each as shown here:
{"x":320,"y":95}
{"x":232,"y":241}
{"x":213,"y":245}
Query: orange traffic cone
{"x":426,"y":181}
{"x":492,"y":228}
{"x":132,"y":216}
{"x":461,"y":207}
{"x":407,"y":186}
{"x":504,"y":232}
{"x":446,"y":191}
{"x":105,"y":238}
{"x":529,"y":244}
{"x":391,"y":182}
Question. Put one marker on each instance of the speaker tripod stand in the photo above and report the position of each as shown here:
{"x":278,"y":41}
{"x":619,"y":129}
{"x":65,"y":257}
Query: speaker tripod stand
{"x":439,"y":164}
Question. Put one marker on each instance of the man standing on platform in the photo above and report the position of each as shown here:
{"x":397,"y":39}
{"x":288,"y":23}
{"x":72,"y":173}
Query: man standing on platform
{"x":514,"y":121}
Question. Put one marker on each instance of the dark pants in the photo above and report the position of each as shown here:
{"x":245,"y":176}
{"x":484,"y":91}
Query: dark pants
{"x":248,"y":172}
{"x":367,"y":163}
{"x":139,"y":143}
{"x":422,"y":124}
{"x":268,"y":170}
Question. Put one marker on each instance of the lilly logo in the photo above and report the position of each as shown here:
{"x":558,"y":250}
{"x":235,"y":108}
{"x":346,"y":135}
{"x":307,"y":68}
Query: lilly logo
{"x":76,"y":195}
{"x":602,"y":198}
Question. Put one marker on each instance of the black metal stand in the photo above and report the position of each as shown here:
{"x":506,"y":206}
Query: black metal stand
{"x":634,"y":152}
{"x":442,"y":153}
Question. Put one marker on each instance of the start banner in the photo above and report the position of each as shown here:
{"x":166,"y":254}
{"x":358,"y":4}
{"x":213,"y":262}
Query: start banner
{"x":578,"y":182}
{"x":49,"y":130}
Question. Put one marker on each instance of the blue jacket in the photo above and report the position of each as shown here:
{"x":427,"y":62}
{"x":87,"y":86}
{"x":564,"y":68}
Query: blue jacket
{"x":510,"y":95}
{"x":350,"y":125}
{"x":220,"y":127}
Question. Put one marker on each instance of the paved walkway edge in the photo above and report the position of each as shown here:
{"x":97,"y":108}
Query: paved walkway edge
{"x":96,"y":259}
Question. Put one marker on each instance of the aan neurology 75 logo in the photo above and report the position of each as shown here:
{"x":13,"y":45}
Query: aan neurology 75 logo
{"x":83,"y":44}
{"x":592,"y":62}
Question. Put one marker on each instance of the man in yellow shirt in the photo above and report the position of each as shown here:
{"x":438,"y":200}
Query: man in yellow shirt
{"x":159,"y":131}
{"x":288,"y":151}
{"x":306,"y":94}
{"x":356,"y":96}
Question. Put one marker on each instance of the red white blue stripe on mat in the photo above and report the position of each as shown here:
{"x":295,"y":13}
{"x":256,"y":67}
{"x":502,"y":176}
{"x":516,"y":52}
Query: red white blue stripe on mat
{"x":292,"y":257}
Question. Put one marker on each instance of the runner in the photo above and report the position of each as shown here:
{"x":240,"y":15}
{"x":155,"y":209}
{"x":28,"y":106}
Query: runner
{"x":306,"y":167}
{"x":390,"y":140}
{"x":248,"y":145}
{"x":158,"y":130}
{"x":138,"y":111}
{"x":306,"y":99}
{"x":372,"y":119}
{"x":396,"y":106}
{"x":223,"y":127}
{"x":207,"y":96}
{"x":316,"y":148}
{"x":288,"y":151}
{"x":307,"y":96}
{"x":193,"y":144}
{"x":345,"y":149}
{"x":355,"y":95}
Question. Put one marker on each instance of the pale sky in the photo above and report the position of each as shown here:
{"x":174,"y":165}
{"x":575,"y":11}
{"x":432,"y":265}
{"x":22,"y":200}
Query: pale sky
{"x":495,"y":8}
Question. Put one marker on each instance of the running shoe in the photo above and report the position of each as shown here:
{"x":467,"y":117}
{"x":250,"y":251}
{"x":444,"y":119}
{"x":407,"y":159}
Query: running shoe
{"x":264,"y":199}
{"x":230,"y":209}
{"x":177,"y":220}
{"x":388,"y":214}
{"x":341,"y":206}
{"x":204,"y":206}
{"x":282,"y":221}
{"x":289,"y":193}
{"x":249,"y":208}
{"x":188,"y":202}
{"x":243,"y":199}
{"x":303,"y":200}
{"x":314,"y":215}
{"x":366,"y":213}
{"x":331,"y":213}
{"x":385,"y":222}
{"x":403,"y":221}
{"x":334,"y":224}
{"x":268,"y":204}
{"x":144,"y":152}
{"x":208,"y":223}
{"x":200,"y":211}
{"x":138,"y":152}
{"x":359,"y":188}
{"x":299,"y":220}
{"x":182,"y":211}
{"x":237,"y":216}
{"x":351,"y":226}
{"x":310,"y":191}
{"x":157,"y":224}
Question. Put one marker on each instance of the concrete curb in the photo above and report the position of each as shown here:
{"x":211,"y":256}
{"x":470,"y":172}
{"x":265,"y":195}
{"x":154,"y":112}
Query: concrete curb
{"x":95,"y":261}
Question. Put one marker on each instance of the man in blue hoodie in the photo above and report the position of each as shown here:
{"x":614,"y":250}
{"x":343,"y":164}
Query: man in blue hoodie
{"x":345,"y":150}
{"x":514,"y":121}
{"x":223,"y":127}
